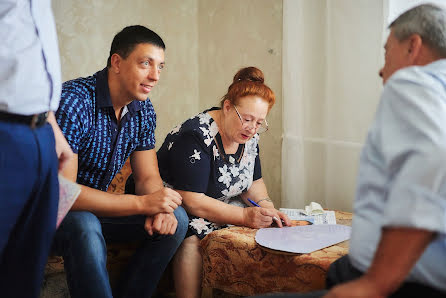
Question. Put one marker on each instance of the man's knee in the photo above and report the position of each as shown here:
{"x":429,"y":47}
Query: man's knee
{"x":341,"y":271}
{"x":80,"y":230}
{"x":183,"y":222}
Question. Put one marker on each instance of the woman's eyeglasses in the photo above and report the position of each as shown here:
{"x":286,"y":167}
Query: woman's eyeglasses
{"x":259,"y":126}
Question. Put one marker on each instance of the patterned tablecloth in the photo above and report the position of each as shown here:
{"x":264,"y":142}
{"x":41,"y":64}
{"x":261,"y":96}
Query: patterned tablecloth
{"x":235,"y":263}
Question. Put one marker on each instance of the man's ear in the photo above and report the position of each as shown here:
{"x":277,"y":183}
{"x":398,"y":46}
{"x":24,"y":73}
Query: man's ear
{"x":115,"y":62}
{"x":415,"y":43}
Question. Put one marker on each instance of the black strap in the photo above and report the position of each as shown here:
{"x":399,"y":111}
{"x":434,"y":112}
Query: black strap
{"x":33,"y":121}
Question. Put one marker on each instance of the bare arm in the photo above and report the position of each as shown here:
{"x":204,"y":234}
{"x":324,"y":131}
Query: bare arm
{"x":106,"y":204}
{"x":397,"y":252}
{"x":201,"y":205}
{"x":148,"y":181}
{"x":258,"y":193}
{"x":99,"y":202}
{"x":145,"y":172}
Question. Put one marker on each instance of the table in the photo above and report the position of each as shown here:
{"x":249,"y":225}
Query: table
{"x":234,"y":263}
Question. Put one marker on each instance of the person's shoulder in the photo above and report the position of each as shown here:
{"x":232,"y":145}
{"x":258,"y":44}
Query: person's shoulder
{"x":78,"y":96}
{"x":146,"y":105}
{"x":432,"y":75}
{"x":200,"y":128}
{"x":415,"y":88}
{"x":199,"y":125}
{"x":78,"y":92}
{"x":146,"y":109}
{"x":82,"y":85}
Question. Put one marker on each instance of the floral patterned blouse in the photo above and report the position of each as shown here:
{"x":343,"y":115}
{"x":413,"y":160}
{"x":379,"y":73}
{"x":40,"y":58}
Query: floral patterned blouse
{"x":192,"y":158}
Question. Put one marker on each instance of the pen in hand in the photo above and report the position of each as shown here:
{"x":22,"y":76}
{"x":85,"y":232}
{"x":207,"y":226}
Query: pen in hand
{"x":257,"y":205}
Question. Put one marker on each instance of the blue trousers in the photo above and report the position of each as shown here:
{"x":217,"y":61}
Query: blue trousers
{"x":29,"y":196}
{"x":81,"y":240}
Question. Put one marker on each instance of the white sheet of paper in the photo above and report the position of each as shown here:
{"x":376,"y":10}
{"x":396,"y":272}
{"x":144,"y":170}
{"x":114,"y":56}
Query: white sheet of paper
{"x":68,"y":193}
{"x":302,"y":239}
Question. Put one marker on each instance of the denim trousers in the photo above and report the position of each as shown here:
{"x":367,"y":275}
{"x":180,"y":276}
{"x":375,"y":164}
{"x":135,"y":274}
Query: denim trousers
{"x":29,"y":196}
{"x":81,"y":240}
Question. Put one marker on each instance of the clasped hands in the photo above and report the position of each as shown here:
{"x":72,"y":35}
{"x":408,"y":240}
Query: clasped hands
{"x":159,"y":207}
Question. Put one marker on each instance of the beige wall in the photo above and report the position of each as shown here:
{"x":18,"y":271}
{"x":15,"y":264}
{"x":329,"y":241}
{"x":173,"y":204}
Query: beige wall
{"x":86,"y":29}
{"x":207,"y":42}
{"x":234,"y":34}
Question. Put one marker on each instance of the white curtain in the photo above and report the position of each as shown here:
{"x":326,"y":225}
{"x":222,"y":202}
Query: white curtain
{"x":332,"y":51}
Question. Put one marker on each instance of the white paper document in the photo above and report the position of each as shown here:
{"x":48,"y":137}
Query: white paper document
{"x":302,"y":239}
{"x":68,"y":193}
{"x":328,"y":217}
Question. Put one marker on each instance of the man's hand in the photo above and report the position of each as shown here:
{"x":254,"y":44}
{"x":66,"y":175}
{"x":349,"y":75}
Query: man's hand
{"x":399,"y":249}
{"x":162,"y":223}
{"x":164,"y":200}
{"x":361,"y":287}
{"x":63,"y":150}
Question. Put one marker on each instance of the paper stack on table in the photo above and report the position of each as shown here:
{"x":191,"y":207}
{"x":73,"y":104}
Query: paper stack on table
{"x":313,"y":213}
{"x":68,"y":193}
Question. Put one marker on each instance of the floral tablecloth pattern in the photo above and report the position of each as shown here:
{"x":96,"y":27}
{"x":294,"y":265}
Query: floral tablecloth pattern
{"x":235,"y":263}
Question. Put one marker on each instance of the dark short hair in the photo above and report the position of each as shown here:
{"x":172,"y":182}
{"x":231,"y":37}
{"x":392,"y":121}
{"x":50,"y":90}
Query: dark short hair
{"x":125,"y":41}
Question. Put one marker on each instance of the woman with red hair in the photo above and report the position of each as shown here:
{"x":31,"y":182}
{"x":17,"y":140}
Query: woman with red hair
{"x":212,"y":160}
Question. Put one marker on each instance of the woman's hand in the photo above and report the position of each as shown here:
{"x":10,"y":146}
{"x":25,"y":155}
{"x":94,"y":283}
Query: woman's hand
{"x":283,"y":219}
{"x":257,"y":217}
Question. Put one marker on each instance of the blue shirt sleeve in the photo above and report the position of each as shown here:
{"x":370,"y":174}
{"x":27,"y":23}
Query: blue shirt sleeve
{"x":189,"y":163}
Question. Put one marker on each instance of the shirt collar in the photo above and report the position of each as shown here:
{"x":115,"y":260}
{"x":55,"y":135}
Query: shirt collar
{"x":103,"y":93}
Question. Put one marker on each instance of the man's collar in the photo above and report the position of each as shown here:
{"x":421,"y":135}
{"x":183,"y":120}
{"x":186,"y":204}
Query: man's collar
{"x":103,"y":98}
{"x":103,"y":93}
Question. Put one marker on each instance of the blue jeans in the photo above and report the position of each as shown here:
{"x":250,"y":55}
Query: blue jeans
{"x":29,"y":196}
{"x":81,"y":240}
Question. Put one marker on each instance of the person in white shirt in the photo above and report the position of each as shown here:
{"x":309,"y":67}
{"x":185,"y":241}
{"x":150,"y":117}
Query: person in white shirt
{"x":32,"y":147}
{"x":398,"y":243}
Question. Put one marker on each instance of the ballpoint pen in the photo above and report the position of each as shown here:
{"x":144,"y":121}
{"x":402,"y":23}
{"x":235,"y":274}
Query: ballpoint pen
{"x":257,"y":205}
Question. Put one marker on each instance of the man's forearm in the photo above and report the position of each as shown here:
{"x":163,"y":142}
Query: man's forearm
{"x":397,"y":252}
{"x":103,"y":203}
{"x":148,"y":186}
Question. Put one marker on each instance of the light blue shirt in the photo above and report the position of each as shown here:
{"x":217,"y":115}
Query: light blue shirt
{"x":30,"y":80}
{"x":402,"y":171}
